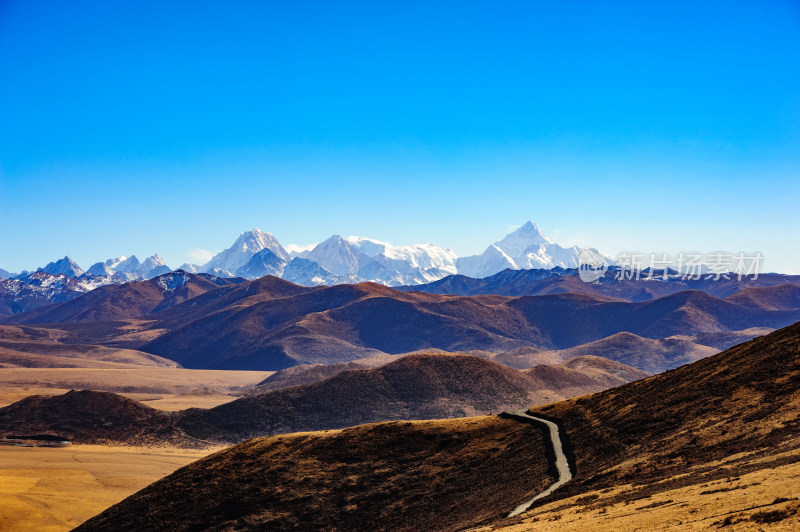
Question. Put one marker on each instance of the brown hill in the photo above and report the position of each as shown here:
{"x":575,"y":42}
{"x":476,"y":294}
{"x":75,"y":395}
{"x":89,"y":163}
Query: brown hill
{"x":270,"y":324}
{"x":335,"y":324}
{"x":89,"y":417}
{"x":347,"y":322}
{"x":726,"y":339}
{"x":583,"y":374}
{"x":422,"y":475}
{"x":117,"y":302}
{"x":782,"y":297}
{"x":517,"y":283}
{"x":308,"y":373}
{"x":230,"y":298}
{"x":48,"y":354}
{"x":653,"y":356}
{"x":628,"y":443}
{"x":414,"y":387}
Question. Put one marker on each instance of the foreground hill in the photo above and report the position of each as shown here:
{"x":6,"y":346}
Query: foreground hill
{"x":744,"y":399}
{"x":628,"y":444}
{"x":422,"y":475}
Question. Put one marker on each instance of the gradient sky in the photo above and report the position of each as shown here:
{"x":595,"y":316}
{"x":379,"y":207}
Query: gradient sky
{"x":136,"y":127}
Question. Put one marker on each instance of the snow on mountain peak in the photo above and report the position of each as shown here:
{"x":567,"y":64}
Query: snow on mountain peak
{"x":65,"y":266}
{"x":246,"y":246}
{"x":256,"y":253}
{"x":516,"y":243}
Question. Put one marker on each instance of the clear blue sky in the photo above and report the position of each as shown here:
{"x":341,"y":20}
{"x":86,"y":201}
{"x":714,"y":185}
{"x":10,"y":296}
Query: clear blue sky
{"x":136,"y":127}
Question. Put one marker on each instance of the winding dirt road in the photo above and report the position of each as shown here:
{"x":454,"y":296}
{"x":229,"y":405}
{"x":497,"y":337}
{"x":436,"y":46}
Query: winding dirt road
{"x":562,"y":465}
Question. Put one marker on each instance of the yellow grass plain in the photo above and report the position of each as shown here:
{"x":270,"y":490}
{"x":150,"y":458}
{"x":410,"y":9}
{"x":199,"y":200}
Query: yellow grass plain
{"x":55,"y":489}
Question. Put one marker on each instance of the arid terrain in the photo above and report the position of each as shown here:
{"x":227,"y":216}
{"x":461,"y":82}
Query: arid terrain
{"x":311,"y":359}
{"x":55,"y":489}
{"x":270,"y":324}
{"x":278,"y":266}
{"x":718,"y":425}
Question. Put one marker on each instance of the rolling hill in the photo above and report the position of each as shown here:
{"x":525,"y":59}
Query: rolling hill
{"x":653,"y":356}
{"x":422,"y":386}
{"x":628,"y":444}
{"x":535,"y":282}
{"x":47,"y":354}
{"x":91,"y":417}
{"x":347,"y":322}
{"x":271,"y":324}
{"x":425,"y":386}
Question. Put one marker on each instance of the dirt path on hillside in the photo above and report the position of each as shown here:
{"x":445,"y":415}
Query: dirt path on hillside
{"x":562,"y":465}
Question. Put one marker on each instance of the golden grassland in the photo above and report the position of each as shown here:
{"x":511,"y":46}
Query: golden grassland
{"x":766,"y":498}
{"x":55,"y":489}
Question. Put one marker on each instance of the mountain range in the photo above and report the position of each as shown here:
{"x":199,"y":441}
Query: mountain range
{"x":205,"y":322}
{"x":337,"y":260}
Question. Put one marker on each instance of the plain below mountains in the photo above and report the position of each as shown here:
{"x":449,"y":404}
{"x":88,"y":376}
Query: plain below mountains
{"x":421,"y":386}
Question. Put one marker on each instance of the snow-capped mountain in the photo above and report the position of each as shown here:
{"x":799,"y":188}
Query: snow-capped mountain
{"x":403,"y":265}
{"x":338,"y":256}
{"x":309,"y":273}
{"x":239,"y":254}
{"x":265,"y":262}
{"x":125,"y":269}
{"x":65,"y":266}
{"x":357,"y":258}
{"x":525,"y":248}
{"x":336,"y":260}
{"x":191,"y":268}
{"x":34,"y":290}
{"x":491,"y":261}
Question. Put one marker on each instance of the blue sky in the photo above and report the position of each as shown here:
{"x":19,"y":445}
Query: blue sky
{"x":136,"y":127}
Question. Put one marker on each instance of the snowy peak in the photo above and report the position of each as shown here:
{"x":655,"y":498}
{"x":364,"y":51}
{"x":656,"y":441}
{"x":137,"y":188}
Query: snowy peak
{"x":239,"y":254}
{"x":153,"y":261}
{"x":525,"y":248}
{"x":129,"y":264}
{"x":338,"y":256}
{"x":191,"y":268}
{"x":256,"y":253}
{"x":65,"y":266}
{"x":526,"y":236}
{"x":129,"y":268}
{"x":308,"y":273}
{"x":265,"y":262}
{"x":488,"y":263}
